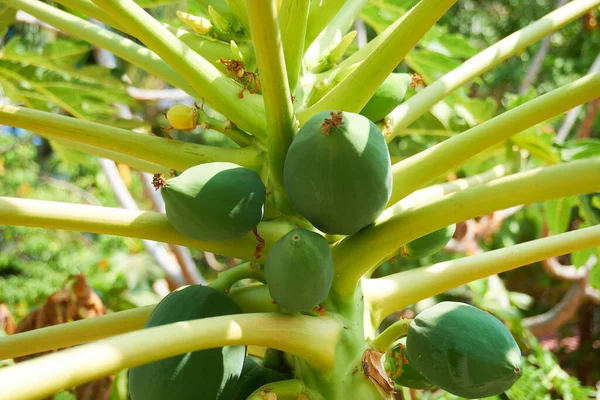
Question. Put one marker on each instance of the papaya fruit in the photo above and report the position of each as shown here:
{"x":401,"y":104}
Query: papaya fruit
{"x":337,"y":172}
{"x":214,"y":201}
{"x":253,"y":376}
{"x":182,"y":117}
{"x":408,"y":375}
{"x":464,"y":350}
{"x":299,"y":270}
{"x":200,"y":375}
{"x":387,"y":97}
{"x":428,"y":244}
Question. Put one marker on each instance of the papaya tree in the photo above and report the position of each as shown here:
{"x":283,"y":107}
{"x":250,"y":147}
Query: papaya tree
{"x":309,"y":197}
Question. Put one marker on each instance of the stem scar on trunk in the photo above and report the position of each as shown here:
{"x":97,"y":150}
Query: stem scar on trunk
{"x":333,"y":122}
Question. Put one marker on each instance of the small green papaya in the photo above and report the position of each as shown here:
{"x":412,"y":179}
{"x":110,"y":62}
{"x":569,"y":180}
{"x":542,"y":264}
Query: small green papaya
{"x":214,"y":201}
{"x":182,"y":117}
{"x":338,"y":172}
{"x":428,"y":244}
{"x":253,"y":376}
{"x":464,"y":350}
{"x":299,"y":270}
{"x":200,"y":375}
{"x":408,"y":376}
{"x":387,"y":97}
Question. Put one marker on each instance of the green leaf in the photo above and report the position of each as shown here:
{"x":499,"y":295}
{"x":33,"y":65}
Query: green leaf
{"x":581,"y":258}
{"x":594,"y":278}
{"x":558,"y":214}
{"x":473,"y":110}
{"x":429,"y":64}
{"x":439,"y":40}
{"x":539,"y":144}
{"x":577,"y":150}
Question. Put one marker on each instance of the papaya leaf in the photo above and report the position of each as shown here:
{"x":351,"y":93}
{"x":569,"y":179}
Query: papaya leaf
{"x":539,"y":144}
{"x":558,"y":214}
{"x":429,"y":64}
{"x":380,"y":14}
{"x":581,"y":258}
{"x":473,"y":110}
{"x":594,"y":278}
{"x":439,"y":40}
{"x":577,"y":150}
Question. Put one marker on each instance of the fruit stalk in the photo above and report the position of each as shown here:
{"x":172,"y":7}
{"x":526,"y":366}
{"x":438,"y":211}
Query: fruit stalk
{"x":279,"y":114}
{"x":420,"y":103}
{"x":219,"y":91}
{"x":313,"y":339}
{"x":103,"y":38}
{"x":416,"y":171}
{"x":138,"y":224}
{"x":247,"y":270}
{"x":385,"y":339}
{"x":381,"y":61}
{"x":169,"y":153}
{"x":365,"y":250}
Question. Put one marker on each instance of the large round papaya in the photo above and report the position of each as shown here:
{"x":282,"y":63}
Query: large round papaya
{"x":215,"y":201}
{"x":254,"y":376}
{"x":200,"y":375}
{"x":299,"y":270}
{"x":428,"y":244}
{"x":338,"y":173}
{"x":387,"y":97}
{"x":464,"y":350}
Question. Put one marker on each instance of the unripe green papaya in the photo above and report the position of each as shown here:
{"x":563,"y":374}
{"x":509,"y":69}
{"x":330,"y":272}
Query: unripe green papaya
{"x":200,"y":375}
{"x":299,"y":270}
{"x":389,"y":96}
{"x":215,"y":201}
{"x":254,"y":376}
{"x":409,"y":376}
{"x":338,"y":172}
{"x":464,"y":350}
{"x":428,"y":244}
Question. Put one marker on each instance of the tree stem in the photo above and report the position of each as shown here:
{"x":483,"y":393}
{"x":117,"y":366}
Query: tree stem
{"x":313,"y":339}
{"x":394,"y":292}
{"x":359,"y":253}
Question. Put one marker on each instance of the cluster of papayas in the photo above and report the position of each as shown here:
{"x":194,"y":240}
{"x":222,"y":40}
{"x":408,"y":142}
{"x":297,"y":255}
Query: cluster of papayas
{"x":463,"y":350}
{"x":214,"y":201}
{"x":299,"y":270}
{"x":428,"y":244}
{"x":387,"y":97}
{"x":338,"y":172}
{"x":200,"y":375}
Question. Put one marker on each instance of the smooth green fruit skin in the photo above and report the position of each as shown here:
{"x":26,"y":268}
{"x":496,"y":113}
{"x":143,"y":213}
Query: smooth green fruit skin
{"x":410,"y":376}
{"x":464,"y":350}
{"x":389,"y":96}
{"x":200,"y":375}
{"x":428,"y":244}
{"x":215,"y":201}
{"x":340,"y":182}
{"x":254,"y":376}
{"x":299,"y":270}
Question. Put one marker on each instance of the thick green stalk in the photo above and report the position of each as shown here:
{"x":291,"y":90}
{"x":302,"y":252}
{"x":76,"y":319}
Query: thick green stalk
{"x":394,"y":292}
{"x":385,"y":339}
{"x":384,"y":58}
{"x":88,"y":8}
{"x":229,"y":277}
{"x":419,"y":104}
{"x":357,"y":254}
{"x":73,"y":333}
{"x":313,"y":339}
{"x":136,"y":163}
{"x":221,"y":92}
{"x":293,"y":19}
{"x":319,"y":15}
{"x":255,"y":298}
{"x":279,"y":113}
{"x":137,"y":224}
{"x":414,"y":172}
{"x":120,"y":46}
{"x":169,"y":153}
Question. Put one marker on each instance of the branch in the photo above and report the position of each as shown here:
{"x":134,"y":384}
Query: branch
{"x":219,"y":91}
{"x":281,"y":127}
{"x":412,"y":173}
{"x":419,"y":104}
{"x":293,"y":18}
{"x":384,"y":58}
{"x":119,"y":45}
{"x":73,"y":333}
{"x":170,"y":153}
{"x":394,"y":292}
{"x":136,"y":224}
{"x":313,"y":339}
{"x":355,"y":255}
